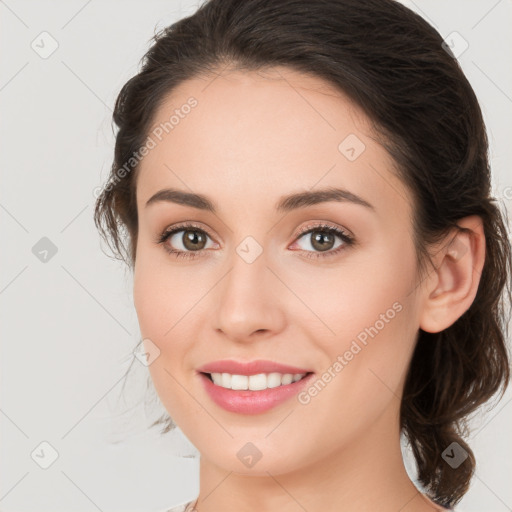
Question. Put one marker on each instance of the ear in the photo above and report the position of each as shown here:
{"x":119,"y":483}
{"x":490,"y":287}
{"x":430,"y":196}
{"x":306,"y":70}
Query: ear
{"x":451,"y":286}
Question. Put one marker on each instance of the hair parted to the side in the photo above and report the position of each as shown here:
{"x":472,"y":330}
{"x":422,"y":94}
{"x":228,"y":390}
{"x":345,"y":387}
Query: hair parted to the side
{"x":391,"y":63}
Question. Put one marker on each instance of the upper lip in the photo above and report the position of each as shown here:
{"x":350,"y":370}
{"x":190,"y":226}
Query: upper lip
{"x":249,"y":368}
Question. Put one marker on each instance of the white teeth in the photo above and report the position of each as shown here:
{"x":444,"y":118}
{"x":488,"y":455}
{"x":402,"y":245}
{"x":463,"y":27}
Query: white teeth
{"x":255,"y":382}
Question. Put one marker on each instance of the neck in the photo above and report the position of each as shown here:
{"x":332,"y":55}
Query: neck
{"x":366,"y":474}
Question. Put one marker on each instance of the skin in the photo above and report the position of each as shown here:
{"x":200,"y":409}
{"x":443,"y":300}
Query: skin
{"x":252,"y":138}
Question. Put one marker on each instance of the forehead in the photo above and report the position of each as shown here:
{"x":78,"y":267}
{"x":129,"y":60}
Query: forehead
{"x":252,"y":137}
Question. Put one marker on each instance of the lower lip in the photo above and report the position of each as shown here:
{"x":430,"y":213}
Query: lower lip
{"x":252,"y":402}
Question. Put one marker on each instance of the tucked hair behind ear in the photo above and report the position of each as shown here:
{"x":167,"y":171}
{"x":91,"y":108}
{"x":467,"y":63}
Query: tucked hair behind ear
{"x":391,"y":63}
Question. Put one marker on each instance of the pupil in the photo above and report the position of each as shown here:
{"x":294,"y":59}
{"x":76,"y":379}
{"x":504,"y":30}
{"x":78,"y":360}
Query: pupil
{"x":319,"y":240}
{"x":191,"y":239}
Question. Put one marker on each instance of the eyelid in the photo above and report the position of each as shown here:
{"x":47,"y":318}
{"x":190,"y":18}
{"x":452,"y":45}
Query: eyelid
{"x":319,"y":225}
{"x":182,"y":226}
{"x":303,"y":230}
{"x":345,"y":235}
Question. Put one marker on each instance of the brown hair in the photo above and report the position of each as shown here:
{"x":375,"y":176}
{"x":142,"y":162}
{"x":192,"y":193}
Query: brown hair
{"x":393,"y":64}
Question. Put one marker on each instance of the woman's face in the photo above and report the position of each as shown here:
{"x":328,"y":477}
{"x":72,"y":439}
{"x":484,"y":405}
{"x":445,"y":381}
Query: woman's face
{"x":349,"y":312}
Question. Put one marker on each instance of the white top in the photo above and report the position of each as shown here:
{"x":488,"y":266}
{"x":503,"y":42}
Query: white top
{"x":182,"y":507}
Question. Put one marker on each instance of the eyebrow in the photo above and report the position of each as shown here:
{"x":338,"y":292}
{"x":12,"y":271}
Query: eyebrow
{"x":285,"y":204}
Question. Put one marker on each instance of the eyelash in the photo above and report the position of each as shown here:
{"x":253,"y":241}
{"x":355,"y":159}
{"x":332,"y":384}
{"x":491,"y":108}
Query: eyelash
{"x":347,"y":239}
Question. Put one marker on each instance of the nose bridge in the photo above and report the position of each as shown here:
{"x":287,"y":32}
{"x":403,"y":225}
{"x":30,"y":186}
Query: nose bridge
{"x":249,"y":254}
{"x":247,"y":282}
{"x":247,"y":298}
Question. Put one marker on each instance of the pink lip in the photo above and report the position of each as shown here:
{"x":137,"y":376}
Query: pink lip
{"x":249,"y":368}
{"x":252,"y":402}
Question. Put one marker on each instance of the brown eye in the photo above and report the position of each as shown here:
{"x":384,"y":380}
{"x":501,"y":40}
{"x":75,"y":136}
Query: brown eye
{"x":193,"y":239}
{"x":321,"y":240}
{"x":186,"y":241}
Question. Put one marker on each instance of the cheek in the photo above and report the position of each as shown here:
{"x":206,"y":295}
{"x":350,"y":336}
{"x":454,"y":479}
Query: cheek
{"x":169,"y":293}
{"x":158,"y":290}
{"x":160,"y":304}
{"x":367,"y":358}
{"x":351,"y":300}
{"x":167,"y":303}
{"x":369,"y":318}
{"x":148,"y":301}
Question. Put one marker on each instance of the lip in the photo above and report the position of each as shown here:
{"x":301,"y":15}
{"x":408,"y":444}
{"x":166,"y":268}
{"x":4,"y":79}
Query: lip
{"x":253,"y":402}
{"x":249,"y":368}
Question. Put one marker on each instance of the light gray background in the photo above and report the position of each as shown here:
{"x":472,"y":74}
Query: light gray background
{"x":69,"y":326}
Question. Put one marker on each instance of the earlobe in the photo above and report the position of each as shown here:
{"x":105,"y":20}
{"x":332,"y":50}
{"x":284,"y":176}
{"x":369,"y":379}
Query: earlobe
{"x":452,"y":286}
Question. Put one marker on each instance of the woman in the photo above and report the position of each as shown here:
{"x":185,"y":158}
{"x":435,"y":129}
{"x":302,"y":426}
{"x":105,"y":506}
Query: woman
{"x":319,"y":267}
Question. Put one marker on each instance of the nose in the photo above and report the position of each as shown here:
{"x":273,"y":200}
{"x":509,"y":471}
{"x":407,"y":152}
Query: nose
{"x":249,"y":302}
